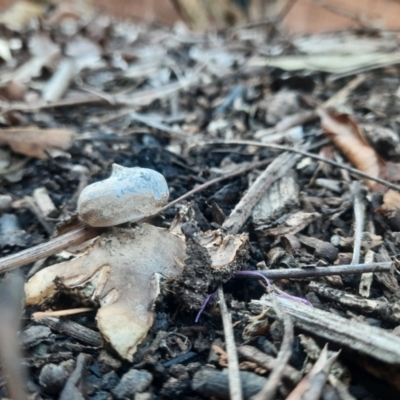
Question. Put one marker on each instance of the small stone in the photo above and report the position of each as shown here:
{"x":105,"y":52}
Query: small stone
{"x":193,"y":367}
{"x":143,"y":396}
{"x":178,"y":371}
{"x":100,"y":395}
{"x":110,"y":380}
{"x":107,"y":362}
{"x":52,"y":378}
{"x":132,"y":382}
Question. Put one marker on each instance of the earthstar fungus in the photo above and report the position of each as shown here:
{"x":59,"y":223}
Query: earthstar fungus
{"x":119,"y":271}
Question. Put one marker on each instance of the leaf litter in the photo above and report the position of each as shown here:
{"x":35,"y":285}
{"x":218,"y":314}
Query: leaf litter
{"x":80,"y":92}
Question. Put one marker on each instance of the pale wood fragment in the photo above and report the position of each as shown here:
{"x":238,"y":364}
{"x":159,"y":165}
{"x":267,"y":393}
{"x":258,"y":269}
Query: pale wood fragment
{"x":366,"y":339}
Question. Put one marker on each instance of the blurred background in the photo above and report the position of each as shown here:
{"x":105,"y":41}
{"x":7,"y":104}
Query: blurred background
{"x":298,"y":16}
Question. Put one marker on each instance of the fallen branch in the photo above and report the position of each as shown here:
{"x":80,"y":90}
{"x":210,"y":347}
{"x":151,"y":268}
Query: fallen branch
{"x":369,"y":340}
{"x":295,"y":273}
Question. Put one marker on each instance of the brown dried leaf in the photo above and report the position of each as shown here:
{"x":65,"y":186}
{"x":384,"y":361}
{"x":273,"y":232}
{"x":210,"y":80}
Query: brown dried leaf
{"x":349,"y":139}
{"x":119,"y":272}
{"x":391,"y":208}
{"x":222,"y":249}
{"x":34,"y":142}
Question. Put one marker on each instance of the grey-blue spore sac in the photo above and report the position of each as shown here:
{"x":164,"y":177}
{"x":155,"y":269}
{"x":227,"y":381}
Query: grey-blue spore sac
{"x":139,"y":181}
{"x":129,"y":194}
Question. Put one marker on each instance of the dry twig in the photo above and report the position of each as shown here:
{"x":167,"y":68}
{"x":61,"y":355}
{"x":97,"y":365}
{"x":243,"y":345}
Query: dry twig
{"x":47,"y":249}
{"x":307,"y":154}
{"x":297,"y":273}
{"x":268,"y":391}
{"x":359,"y":210}
{"x":235,"y":387}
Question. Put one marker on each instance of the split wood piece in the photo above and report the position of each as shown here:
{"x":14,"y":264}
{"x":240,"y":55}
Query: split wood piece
{"x":244,"y":208}
{"x":325,"y":250}
{"x":72,"y":389}
{"x":352,"y":170}
{"x":298,"y":273}
{"x":291,"y":224}
{"x":59,"y":83}
{"x":33,"y":207}
{"x":73,"y":329}
{"x":235,"y":385}
{"x":267,"y":362}
{"x":367,"y":277}
{"x":44,"y":202}
{"x":387,"y":311}
{"x":369,"y":340}
{"x":10,"y":351}
{"x":311,"y":385}
{"x":211,"y":383}
{"x":340,"y":376}
{"x":47,"y":249}
{"x":282,"y":196}
{"x":270,"y":387}
{"x":119,"y":273}
{"x":387,"y":279}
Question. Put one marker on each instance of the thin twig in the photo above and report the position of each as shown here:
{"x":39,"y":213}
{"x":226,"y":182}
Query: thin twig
{"x":270,"y":388}
{"x":359,"y":210}
{"x":59,"y":313}
{"x":47,"y":249}
{"x":212,"y":182}
{"x":146,"y":120}
{"x":307,"y":154}
{"x":295,"y":273}
{"x":235,"y":387}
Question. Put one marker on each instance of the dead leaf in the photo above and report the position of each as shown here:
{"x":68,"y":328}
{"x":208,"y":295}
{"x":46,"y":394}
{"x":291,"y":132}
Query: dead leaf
{"x":34,"y":142}
{"x":20,"y":14}
{"x":347,"y":136}
{"x":118,"y":273}
{"x":390,"y":209}
{"x":222,"y":249}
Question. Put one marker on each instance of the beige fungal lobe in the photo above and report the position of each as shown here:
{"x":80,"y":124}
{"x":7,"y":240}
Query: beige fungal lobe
{"x":128,"y":195}
{"x":119,"y":274}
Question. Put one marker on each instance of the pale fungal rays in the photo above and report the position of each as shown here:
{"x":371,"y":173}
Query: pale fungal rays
{"x":119,"y":271}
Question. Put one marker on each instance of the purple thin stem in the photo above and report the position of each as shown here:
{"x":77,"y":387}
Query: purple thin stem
{"x":279,"y":294}
{"x":204,"y":306}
